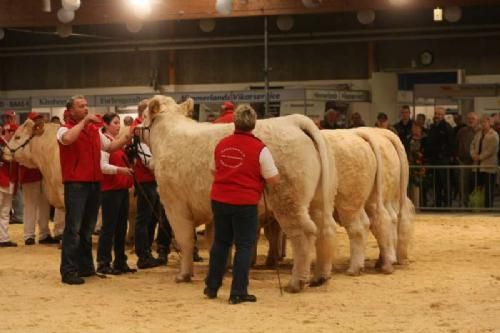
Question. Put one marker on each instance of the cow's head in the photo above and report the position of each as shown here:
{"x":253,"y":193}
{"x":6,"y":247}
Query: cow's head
{"x":18,"y":146}
{"x":163,"y":105}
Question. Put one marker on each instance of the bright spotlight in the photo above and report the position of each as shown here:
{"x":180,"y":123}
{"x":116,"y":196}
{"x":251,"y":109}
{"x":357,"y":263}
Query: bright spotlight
{"x":140,"y":8}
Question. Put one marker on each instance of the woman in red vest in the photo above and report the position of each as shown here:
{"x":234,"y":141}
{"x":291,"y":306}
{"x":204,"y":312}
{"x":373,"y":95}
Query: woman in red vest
{"x":8,"y":178}
{"x":243,"y":165}
{"x":117,"y":181}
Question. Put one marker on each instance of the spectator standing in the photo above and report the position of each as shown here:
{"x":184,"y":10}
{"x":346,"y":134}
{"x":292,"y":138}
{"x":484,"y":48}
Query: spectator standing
{"x":330,"y":120}
{"x":464,"y":138}
{"x":235,"y":193}
{"x":383,"y":122}
{"x":416,"y":157}
{"x":440,"y":152}
{"x":226,"y":113}
{"x":356,"y":120}
{"x":484,"y":150}
{"x":403,"y":127}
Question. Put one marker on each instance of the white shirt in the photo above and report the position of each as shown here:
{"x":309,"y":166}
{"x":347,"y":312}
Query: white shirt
{"x":105,"y":142}
{"x":106,"y":167}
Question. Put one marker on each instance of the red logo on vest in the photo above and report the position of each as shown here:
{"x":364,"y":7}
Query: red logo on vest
{"x":232,"y":157}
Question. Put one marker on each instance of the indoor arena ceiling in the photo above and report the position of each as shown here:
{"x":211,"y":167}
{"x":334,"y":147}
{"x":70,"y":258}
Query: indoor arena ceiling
{"x":29,"y":13}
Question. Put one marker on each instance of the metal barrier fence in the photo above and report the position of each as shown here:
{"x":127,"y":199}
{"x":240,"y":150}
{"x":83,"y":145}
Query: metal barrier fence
{"x":454,"y":187}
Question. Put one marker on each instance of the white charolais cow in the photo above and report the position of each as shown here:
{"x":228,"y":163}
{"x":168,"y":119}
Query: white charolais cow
{"x":394,"y":197}
{"x":39,"y":150}
{"x":183,"y":151}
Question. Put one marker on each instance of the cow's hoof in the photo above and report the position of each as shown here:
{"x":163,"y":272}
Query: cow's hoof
{"x":379,"y":264}
{"x":356,"y":271}
{"x":404,"y":261}
{"x":293,"y":288}
{"x":386,"y":268}
{"x":319,"y":281}
{"x":180,"y":278}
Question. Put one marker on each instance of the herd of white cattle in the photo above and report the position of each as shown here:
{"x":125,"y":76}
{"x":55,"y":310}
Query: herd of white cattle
{"x":357,"y":178}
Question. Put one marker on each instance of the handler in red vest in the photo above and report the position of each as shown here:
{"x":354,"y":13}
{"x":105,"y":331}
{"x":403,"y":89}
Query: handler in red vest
{"x":243,"y":165}
{"x":227,"y":112}
{"x":8,"y":178}
{"x":114,"y":203}
{"x":80,"y":144}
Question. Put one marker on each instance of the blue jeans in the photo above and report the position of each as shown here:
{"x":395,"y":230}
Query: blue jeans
{"x":232,"y":223}
{"x":81,"y":200}
{"x":146,"y":221}
{"x":114,"y":227}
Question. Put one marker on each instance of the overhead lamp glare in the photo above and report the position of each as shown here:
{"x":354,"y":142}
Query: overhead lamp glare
{"x":141,"y":8}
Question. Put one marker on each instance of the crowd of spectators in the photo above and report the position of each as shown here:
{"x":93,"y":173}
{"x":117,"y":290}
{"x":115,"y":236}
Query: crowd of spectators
{"x":470,"y":151}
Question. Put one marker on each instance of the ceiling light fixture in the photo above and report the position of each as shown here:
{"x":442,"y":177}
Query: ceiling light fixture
{"x":311,"y":3}
{"x":46,"y":7}
{"x":366,"y":16}
{"x":438,"y":14}
{"x":65,"y":16}
{"x":64,"y":30}
{"x":224,"y":7}
{"x":141,"y":8}
{"x":453,"y":14}
{"x":71,"y":5}
{"x":134,"y":26}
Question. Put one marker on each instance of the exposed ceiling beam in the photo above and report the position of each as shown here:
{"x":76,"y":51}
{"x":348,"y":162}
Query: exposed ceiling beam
{"x":28,"y":13}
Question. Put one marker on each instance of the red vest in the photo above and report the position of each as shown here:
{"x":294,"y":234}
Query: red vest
{"x":226,"y":118}
{"x":28,"y":175}
{"x":116,"y":181}
{"x":80,"y":161}
{"x":142,"y":173}
{"x":237,"y":179}
{"x":8,"y":173}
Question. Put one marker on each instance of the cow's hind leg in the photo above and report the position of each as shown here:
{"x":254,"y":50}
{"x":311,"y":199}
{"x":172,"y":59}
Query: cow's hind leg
{"x":357,"y":226}
{"x":325,"y":250}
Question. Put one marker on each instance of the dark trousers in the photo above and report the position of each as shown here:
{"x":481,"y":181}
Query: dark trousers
{"x":442,"y":191}
{"x":238,"y":224}
{"x":487,"y":182}
{"x":81,"y":201}
{"x":146,"y":221}
{"x":114,"y":205}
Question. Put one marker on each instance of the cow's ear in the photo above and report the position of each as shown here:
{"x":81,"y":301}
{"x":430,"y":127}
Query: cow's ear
{"x":154,"y":107}
{"x":188,"y":106}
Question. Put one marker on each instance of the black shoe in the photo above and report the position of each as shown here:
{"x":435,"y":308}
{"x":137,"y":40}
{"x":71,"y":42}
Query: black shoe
{"x":48,"y":240}
{"x":123,"y":269}
{"x":148,"y":262}
{"x":8,"y":244}
{"x":72,"y":279}
{"x":163,"y":257}
{"x":104,"y":269}
{"x":58,"y":238}
{"x":87,"y":274}
{"x":12,"y":221}
{"x":29,"y":241}
{"x":236,"y":299}
{"x":210,"y":293}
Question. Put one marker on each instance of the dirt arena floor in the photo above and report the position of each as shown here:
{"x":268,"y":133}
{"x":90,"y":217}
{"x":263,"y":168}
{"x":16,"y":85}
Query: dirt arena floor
{"x":451,"y":285}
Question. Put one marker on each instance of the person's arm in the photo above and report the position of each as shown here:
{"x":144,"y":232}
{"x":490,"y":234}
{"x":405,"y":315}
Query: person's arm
{"x":115,"y":144}
{"x":70,"y":136}
{"x":144,"y":153}
{"x":268,"y":169}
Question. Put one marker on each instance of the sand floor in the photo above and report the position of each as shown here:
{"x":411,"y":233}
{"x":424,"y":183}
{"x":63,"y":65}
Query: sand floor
{"x":451,"y":285}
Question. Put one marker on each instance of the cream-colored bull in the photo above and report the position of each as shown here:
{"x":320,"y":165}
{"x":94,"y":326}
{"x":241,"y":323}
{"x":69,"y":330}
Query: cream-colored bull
{"x":183,"y":152}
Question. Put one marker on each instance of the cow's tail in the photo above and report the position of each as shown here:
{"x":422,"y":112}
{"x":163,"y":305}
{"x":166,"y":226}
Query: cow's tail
{"x":328,"y":179}
{"x":380,"y":211}
{"x":406,"y":208}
